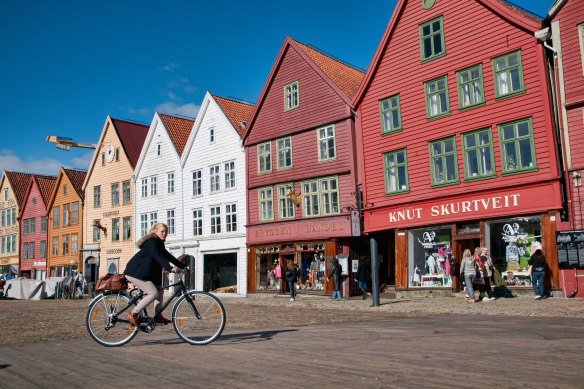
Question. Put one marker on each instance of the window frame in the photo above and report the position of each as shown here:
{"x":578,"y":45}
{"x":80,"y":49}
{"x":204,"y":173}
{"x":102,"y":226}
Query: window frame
{"x":231,"y":217}
{"x":396,"y":166}
{"x":96,"y":231}
{"x":115,"y":229}
{"x":427,"y":94}
{"x":460,"y":85}
{"x":229,"y":174}
{"x":65,"y":244}
{"x":287,"y":200}
{"x":423,"y":58}
{"x":143,"y":224}
{"x":284,"y":149}
{"x":126,"y":228}
{"x":198,"y":217}
{"x":170,"y":183}
{"x":443,"y":155}
{"x":521,"y":90}
{"x":126,"y":192}
{"x":197,"y":182}
{"x":319,"y":141}
{"x":153,"y":186}
{"x":382,"y":113}
{"x":476,"y":149}
{"x":66,"y":214}
{"x":75,"y":212}
{"x":170,"y":221}
{"x":144,"y":187}
{"x":215,"y":219}
{"x":56,"y":216}
{"x":115,"y":188}
{"x":97,"y":196}
{"x":267,"y":146}
{"x":319,"y":194}
{"x":266,"y":200}
{"x":289,"y":102}
{"x":505,"y":171}
{"x":74,"y":244}
{"x":215,"y":178}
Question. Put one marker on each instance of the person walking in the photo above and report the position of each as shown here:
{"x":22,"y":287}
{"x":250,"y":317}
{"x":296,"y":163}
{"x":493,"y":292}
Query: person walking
{"x":145,"y":271}
{"x":291,"y":277}
{"x":488,"y":272}
{"x":79,"y":283}
{"x":537,"y":267}
{"x":335,"y":273}
{"x":468,"y":270}
{"x":363,"y":276}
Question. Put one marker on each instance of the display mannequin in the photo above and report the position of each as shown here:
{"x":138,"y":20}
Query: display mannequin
{"x":431,"y":264}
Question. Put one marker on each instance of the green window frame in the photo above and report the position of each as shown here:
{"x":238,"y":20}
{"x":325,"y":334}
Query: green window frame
{"x":264,"y":157}
{"x":471,"y":92}
{"x":266,"y":204}
{"x":517,"y":147}
{"x":432,"y":40}
{"x":437,"y":104}
{"x":291,"y":96}
{"x":285,"y":205}
{"x":284,"y":149}
{"x":508,"y":75}
{"x":327,"y":144}
{"x":395,"y":172}
{"x":478,"y":157}
{"x":389,"y":111}
{"x":444,"y":162}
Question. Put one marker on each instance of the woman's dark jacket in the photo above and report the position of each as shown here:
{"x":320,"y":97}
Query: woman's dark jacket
{"x":147,"y":264}
{"x":336,"y":275}
{"x":291,"y":274}
{"x":363,"y":272}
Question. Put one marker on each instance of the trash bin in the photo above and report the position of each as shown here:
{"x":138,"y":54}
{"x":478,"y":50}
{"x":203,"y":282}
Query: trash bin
{"x":90,"y":287}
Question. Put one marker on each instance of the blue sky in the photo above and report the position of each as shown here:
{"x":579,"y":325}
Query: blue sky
{"x":66,"y":65}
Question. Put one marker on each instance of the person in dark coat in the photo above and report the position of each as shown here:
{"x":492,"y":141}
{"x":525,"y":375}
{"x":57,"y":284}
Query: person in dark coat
{"x":363,"y":276}
{"x":537,"y":265}
{"x":145,"y":271}
{"x":291,"y":277}
{"x":335,"y":273}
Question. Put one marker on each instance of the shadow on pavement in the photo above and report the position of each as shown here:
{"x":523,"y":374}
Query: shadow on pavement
{"x":248,"y":337}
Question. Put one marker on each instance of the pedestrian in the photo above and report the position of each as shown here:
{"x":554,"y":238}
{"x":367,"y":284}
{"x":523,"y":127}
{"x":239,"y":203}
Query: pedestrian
{"x":363,"y":276}
{"x":488,"y":272}
{"x":468,"y":271}
{"x":480,"y":277}
{"x":145,"y":271}
{"x":537,"y":269}
{"x":335,"y":273}
{"x":79,"y":283}
{"x":291,"y":277}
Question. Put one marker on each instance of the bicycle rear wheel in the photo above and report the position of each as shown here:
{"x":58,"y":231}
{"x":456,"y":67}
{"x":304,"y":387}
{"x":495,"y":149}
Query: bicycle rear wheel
{"x":203,"y":329}
{"x":103,"y":323}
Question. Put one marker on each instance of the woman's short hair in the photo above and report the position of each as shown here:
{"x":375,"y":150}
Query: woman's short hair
{"x":157,"y":227}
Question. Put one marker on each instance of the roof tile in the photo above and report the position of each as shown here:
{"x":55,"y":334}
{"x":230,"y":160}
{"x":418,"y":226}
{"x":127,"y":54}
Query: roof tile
{"x":179,"y":130}
{"x":235,"y":111}
{"x":77,"y":177}
{"x":132,"y":135}
{"x":46,"y":187}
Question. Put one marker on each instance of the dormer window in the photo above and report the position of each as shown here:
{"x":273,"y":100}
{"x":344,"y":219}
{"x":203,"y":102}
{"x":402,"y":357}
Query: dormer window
{"x":291,"y":100}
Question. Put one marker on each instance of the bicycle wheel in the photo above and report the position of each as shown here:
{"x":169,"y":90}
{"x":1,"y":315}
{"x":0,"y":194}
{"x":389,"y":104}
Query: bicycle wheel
{"x":203,"y":329}
{"x":102,"y":320}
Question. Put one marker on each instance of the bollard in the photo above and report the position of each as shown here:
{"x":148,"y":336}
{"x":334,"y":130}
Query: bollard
{"x":90,"y":287}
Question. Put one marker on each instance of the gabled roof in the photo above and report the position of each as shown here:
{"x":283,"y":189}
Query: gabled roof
{"x":19,"y":183}
{"x":342,"y":78}
{"x":45,"y":185}
{"x":236,"y":112}
{"x":46,"y":188}
{"x":555,"y":8}
{"x":512,"y":14}
{"x":76,"y":177}
{"x":132,"y":136}
{"x":178,"y":129}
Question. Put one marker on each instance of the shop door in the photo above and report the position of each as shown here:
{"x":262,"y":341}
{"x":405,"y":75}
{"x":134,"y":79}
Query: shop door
{"x":470,"y":244}
{"x":219,"y":271}
{"x":284,"y":263}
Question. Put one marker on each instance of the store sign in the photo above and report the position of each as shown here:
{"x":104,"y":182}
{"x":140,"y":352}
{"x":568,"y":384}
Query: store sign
{"x":355,"y":223}
{"x":300,"y":231}
{"x":92,"y":261}
{"x":113,"y":251}
{"x":111,"y":213}
{"x":427,"y":240}
{"x":39,"y":263}
{"x":511,"y":233}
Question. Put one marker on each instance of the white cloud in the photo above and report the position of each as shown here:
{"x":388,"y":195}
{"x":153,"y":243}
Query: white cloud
{"x":171,"y":108}
{"x":83,"y":161}
{"x":170,"y":67}
{"x":172,"y":96}
{"x":11,"y":162}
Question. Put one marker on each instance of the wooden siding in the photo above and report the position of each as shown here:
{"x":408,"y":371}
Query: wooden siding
{"x":491,"y":37}
{"x":14,"y":229}
{"x":571,"y":14}
{"x":318,"y":102}
{"x":575,"y":119}
{"x":34,"y":207}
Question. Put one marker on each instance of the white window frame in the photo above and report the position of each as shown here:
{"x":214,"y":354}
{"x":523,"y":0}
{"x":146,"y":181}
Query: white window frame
{"x":115,"y":193}
{"x":264,"y":151}
{"x":211,"y":134}
{"x":144,"y":188}
{"x":266,"y":203}
{"x":170,"y":221}
{"x":231,"y":217}
{"x":214,"y":179}
{"x":127,"y":225}
{"x":170,"y":182}
{"x":291,"y":96}
{"x":215,"y":219}
{"x":197,"y":183}
{"x":284,"y":152}
{"x":285,"y":203}
{"x":153,"y":218}
{"x":198,"y":222}
{"x":153,"y":185}
{"x":229,"y":170}
{"x":323,"y":139}
{"x":143,"y":224}
{"x":313,"y":195}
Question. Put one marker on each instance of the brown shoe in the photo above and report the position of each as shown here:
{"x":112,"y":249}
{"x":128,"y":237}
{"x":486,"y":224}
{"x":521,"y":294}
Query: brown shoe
{"x":133,"y":318}
{"x":162,"y":320}
{"x":471,"y":300}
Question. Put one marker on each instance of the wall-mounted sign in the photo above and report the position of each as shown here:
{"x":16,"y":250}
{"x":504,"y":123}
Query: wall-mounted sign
{"x":111,"y":213}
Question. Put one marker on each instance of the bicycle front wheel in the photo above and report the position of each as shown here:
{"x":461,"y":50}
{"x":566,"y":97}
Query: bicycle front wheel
{"x":103,"y":323}
{"x":202,"y":328}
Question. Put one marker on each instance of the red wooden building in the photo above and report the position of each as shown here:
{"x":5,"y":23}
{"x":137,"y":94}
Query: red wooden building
{"x":459,"y":149}
{"x":300,"y":147}
{"x":33,"y":227}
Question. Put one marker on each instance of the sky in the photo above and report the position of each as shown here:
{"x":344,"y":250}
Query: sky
{"x":67,"y":64}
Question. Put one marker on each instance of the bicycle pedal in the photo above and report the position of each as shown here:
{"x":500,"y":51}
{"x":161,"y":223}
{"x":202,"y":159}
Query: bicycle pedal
{"x":160,"y":324}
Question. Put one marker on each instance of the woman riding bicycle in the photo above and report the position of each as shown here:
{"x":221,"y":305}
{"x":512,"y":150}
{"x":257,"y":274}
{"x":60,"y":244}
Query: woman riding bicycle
{"x":145,"y":271}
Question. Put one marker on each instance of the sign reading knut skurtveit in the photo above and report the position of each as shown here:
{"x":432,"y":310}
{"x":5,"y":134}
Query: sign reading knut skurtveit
{"x":483,"y":205}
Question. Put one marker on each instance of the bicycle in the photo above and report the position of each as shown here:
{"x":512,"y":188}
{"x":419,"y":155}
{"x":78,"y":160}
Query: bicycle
{"x":198,"y":317}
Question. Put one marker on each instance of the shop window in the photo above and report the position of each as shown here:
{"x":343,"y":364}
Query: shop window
{"x":430,"y":257}
{"x":266,"y":204}
{"x":389,"y":111}
{"x":443,"y":161}
{"x":508,"y":75}
{"x":264,"y":158}
{"x":477,"y":151}
{"x":396,"y":172}
{"x":268,"y":269}
{"x":517,"y":147}
{"x":470,"y":87}
{"x":432,"y":39}
{"x":437,"y":98}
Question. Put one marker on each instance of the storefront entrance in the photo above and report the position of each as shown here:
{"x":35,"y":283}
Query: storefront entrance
{"x":219,"y":270}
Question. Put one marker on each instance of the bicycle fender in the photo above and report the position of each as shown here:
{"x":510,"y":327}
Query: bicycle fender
{"x":95,"y":298}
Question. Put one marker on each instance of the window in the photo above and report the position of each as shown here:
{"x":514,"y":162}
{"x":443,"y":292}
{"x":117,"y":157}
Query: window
{"x":144,"y":188}
{"x":231,"y":218}
{"x":127,"y":228}
{"x":126,"y":192}
{"x":65,"y":214}
{"x":34,"y":201}
{"x":214,"y":178}
{"x":432,"y":39}
{"x":28,"y":250}
{"x":390,"y":114}
{"x":43,"y":249}
{"x":102,"y":159}
{"x":43,"y":224}
{"x":329,"y":196}
{"x":229,"y":175}
{"x":197,"y":183}
{"x":158,"y":150}
{"x":470,"y":87}
{"x":5,"y":194}
{"x":117,"y":154}
{"x":215,"y":220}
{"x":320,"y":197}
{"x":170,"y":182}
{"x":326,"y":143}
{"x":74,"y":248}
{"x":581,"y":37}
{"x":266,"y":204}
{"x":285,"y":204}
{"x":395,"y":168}
{"x":310,"y":198}
{"x":96,"y":231}
{"x":517,"y":149}
{"x":74,"y":213}
{"x":153,"y":189}
{"x":25,"y":227}
{"x":115,"y":230}
{"x":170,"y":221}
{"x":265,"y":157}
{"x":153,"y":218}
{"x":32,"y":223}
{"x":97,"y":196}
{"x":284,"y":148}
{"x":508,"y":75}
{"x":13,"y":247}
{"x":64,"y":189}
{"x":13,"y":215}
{"x":211,"y":135}
{"x":197,"y":222}
{"x":143,"y":224}
{"x":56,"y":217}
{"x":443,"y":162}
{"x":3,"y":218}
{"x":291,"y":96}
{"x":477,"y":151}
{"x":437,"y":98}
{"x":116,"y":194}
{"x":65,"y":244}
{"x":2,"y":244}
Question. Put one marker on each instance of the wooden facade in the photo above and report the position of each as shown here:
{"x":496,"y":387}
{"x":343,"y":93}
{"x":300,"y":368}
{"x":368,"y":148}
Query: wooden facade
{"x":437,"y":186}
